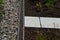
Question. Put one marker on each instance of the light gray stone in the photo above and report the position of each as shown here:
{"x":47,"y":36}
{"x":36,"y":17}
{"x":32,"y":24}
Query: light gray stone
{"x":9,"y":23}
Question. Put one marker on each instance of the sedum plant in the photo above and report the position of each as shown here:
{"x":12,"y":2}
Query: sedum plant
{"x":38,"y":6}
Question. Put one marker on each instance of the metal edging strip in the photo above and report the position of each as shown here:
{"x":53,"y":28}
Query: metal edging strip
{"x":21,"y":20}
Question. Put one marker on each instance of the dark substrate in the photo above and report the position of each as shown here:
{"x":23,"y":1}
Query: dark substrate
{"x":30,"y":9}
{"x":48,"y":33}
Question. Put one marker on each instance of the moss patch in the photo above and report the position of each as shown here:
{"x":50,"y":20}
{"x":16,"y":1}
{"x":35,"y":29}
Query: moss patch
{"x":1,"y":9}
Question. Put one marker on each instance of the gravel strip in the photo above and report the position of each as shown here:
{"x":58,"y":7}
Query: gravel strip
{"x":9,"y":23}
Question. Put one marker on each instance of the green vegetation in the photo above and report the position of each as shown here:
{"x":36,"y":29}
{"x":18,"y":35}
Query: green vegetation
{"x":50,"y":4}
{"x":39,"y":36}
{"x":1,"y":8}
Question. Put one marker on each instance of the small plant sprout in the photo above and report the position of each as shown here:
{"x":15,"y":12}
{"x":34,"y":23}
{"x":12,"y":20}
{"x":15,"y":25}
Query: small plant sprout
{"x":38,"y":6}
{"x":50,"y":4}
{"x":39,"y":36}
